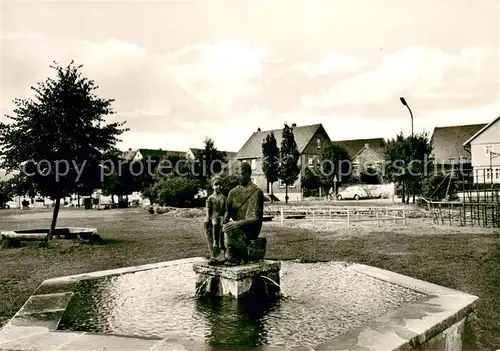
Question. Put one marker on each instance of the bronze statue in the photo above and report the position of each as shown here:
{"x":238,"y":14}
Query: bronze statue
{"x":215,"y":210}
{"x":243,"y":220}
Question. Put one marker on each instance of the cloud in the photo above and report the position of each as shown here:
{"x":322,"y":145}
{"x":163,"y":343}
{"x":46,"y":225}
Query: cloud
{"x":335,"y":63}
{"x":419,"y":71}
{"x":226,"y":89}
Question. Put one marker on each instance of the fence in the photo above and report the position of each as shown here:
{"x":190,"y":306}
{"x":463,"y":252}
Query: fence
{"x":337,"y":214}
{"x":480,"y":214}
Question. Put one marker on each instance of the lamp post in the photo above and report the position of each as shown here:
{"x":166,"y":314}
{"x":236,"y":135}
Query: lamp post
{"x":403,"y":101}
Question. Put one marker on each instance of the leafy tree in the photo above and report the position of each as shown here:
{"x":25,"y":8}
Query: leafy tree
{"x":58,"y":138}
{"x":6,"y":192}
{"x":407,"y":162}
{"x":228,"y":181}
{"x":440,"y":186}
{"x":369,"y":176}
{"x":335,"y":163}
{"x":397,"y":155}
{"x":270,"y":164}
{"x":173,"y":190}
{"x":311,"y":182}
{"x":288,"y":170}
{"x":208,"y":162}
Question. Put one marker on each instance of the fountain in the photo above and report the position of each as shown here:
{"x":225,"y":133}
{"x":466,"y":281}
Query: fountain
{"x":239,"y":300}
{"x":236,"y":267}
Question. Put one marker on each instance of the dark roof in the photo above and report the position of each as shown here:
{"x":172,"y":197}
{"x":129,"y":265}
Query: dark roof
{"x":160,"y":153}
{"x":230,"y":154}
{"x":447,"y":142}
{"x":253,"y":147}
{"x":354,"y":146}
{"x":481,"y":130}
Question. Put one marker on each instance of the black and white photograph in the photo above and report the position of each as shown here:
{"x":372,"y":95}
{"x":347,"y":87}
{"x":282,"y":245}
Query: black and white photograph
{"x":250,"y":175}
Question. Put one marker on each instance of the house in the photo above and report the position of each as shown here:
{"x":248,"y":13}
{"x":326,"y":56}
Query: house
{"x":484,"y":148}
{"x":128,"y":155}
{"x":157,"y":154}
{"x":310,"y":140}
{"x":364,"y":153}
{"x":448,"y":145}
{"x":192,"y":152}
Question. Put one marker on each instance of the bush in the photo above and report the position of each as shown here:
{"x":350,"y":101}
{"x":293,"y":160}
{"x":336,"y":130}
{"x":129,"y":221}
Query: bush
{"x":369,"y":177}
{"x":435,"y":187}
{"x":228,"y":181}
{"x":174,"y":191}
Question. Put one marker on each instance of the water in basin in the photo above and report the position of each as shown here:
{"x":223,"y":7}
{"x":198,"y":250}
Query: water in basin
{"x":323,"y":301}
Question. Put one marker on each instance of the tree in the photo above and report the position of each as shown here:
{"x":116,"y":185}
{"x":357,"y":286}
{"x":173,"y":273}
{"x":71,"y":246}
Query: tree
{"x":270,"y":164}
{"x":288,"y":170}
{"x":334,"y":165}
{"x":407,"y":162}
{"x":58,"y":138}
{"x":369,"y":175}
{"x":208,"y":162}
{"x":6,"y":192}
{"x":173,"y":190}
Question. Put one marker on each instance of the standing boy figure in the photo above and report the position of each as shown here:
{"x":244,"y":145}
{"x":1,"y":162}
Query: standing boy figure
{"x":215,"y":210}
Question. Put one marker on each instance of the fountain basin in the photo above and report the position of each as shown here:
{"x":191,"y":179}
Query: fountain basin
{"x":328,"y":306}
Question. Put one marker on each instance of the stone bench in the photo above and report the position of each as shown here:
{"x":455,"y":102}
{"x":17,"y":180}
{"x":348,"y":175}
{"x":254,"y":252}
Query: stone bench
{"x":14,"y":238}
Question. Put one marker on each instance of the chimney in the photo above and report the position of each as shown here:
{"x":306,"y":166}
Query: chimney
{"x":258,"y":129}
{"x":294,"y":125}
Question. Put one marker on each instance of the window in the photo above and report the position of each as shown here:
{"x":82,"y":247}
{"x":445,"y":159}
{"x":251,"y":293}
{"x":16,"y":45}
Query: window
{"x":355,"y":166}
{"x":488,"y":173}
{"x":497,"y":173}
{"x":487,"y":149}
{"x":254,"y":164}
{"x":318,"y":143}
{"x":310,"y":161}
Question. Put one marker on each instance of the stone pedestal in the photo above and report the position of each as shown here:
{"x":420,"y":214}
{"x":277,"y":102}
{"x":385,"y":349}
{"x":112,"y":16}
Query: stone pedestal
{"x":253,"y":279}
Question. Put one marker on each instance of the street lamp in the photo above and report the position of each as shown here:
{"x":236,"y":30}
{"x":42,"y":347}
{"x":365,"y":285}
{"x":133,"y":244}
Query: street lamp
{"x":403,"y":101}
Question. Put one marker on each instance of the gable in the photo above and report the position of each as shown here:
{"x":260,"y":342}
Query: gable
{"x":493,"y":123}
{"x":356,"y":145}
{"x":367,"y":154}
{"x":312,"y":146}
{"x":490,"y":135}
{"x":253,"y":146}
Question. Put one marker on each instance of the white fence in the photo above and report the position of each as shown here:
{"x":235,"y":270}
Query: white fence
{"x":347,"y":215}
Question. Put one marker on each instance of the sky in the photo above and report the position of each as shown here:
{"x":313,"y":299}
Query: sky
{"x":183,"y":71}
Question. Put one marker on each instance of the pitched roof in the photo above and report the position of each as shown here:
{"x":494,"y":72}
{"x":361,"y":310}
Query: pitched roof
{"x":230,"y":154}
{"x":160,"y":153}
{"x":448,"y":142}
{"x":129,"y":154}
{"x":253,"y":147}
{"x":354,"y":146}
{"x":481,"y":130}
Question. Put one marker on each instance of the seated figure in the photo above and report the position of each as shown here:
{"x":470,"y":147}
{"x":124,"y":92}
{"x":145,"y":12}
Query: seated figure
{"x":243,"y":220}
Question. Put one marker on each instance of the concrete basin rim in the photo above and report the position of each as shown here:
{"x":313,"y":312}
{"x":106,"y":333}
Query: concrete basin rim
{"x":432,"y":292}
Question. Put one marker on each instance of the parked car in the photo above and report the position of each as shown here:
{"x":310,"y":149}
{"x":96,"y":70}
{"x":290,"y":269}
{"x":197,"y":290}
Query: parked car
{"x":353,"y":192}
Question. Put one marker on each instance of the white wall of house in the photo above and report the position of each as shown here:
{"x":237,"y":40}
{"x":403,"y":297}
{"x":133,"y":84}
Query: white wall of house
{"x":488,"y":140}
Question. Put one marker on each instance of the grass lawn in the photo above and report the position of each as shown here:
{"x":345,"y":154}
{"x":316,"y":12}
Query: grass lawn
{"x":467,"y":260}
